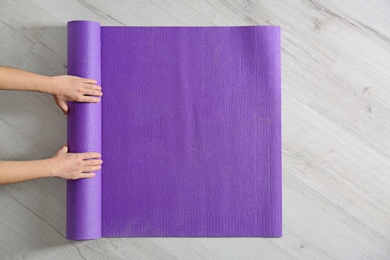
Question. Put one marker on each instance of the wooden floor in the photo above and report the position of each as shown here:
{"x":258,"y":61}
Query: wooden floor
{"x":336,"y":128}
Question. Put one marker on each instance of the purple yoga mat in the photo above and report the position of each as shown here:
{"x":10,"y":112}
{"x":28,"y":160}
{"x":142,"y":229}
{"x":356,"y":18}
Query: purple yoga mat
{"x":189,"y":128}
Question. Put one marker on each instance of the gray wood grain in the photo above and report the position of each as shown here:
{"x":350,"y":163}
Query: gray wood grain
{"x":336,"y":128}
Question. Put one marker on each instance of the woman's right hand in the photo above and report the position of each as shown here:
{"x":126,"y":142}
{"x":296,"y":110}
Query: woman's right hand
{"x":72,"y":166}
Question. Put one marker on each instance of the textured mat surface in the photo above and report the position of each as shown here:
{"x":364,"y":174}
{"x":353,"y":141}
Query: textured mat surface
{"x":189,"y":128}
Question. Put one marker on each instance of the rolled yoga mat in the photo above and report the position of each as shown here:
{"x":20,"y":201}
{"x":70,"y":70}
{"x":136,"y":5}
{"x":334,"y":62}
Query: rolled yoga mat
{"x":189,"y":128}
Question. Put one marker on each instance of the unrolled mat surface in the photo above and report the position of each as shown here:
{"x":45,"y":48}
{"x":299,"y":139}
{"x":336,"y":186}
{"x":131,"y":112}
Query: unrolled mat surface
{"x":189,"y":128}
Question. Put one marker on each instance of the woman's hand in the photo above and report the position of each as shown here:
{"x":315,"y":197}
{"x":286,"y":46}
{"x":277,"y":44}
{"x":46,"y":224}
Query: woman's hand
{"x":63,"y":88}
{"x":63,"y":164}
{"x":72,"y":88}
{"x":74,"y":166}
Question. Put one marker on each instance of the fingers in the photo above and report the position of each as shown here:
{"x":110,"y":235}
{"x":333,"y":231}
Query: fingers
{"x":90,"y":81}
{"x":84,"y":175}
{"x":94,"y":87}
{"x":88,"y":166}
{"x":92,"y":162}
{"x":89,"y":99}
{"x":89,"y":91}
{"x":88,"y":175}
{"x":92,"y":92}
{"x":90,"y":155}
{"x":91,"y":168}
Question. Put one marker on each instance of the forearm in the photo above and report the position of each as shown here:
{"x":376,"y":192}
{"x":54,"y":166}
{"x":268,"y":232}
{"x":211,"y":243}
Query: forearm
{"x":17,"y":171}
{"x":15,"y":79}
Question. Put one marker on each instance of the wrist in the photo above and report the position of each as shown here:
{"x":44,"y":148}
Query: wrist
{"x":50,"y":167}
{"x":48,"y":85}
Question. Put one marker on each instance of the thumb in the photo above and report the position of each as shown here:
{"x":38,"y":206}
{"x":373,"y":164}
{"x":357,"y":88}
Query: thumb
{"x":63,"y":106}
{"x":64,"y":149}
